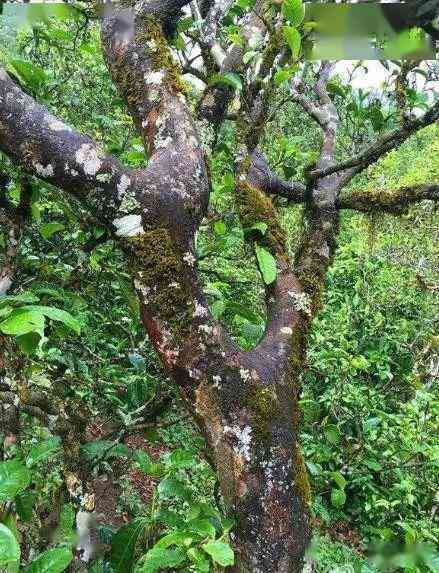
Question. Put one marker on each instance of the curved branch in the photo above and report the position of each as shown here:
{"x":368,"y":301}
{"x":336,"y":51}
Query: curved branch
{"x":385,"y":144}
{"x":265,"y":179}
{"x":394,"y":202}
{"x":51,"y":150}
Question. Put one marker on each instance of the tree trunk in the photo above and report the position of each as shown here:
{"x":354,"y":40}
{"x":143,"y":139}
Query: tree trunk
{"x":251,"y":429}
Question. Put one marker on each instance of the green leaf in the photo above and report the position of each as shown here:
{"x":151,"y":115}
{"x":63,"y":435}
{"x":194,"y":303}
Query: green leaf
{"x":220,"y":552}
{"x":23,"y":298}
{"x":105,"y":449}
{"x":29,"y":73}
{"x":147,"y":466}
{"x":158,"y":559}
{"x":339,"y":479}
{"x":293,"y":39}
{"x":22,"y":321}
{"x":267,"y":264}
{"x":50,"y":229}
{"x":24,"y":502}
{"x":332,"y":434}
{"x":56,"y":314}
{"x":182,"y":459}
{"x":229,"y":79}
{"x":14,"y":477}
{"x":293,"y":11}
{"x":202,"y":526}
{"x":199,"y":559}
{"x":52,"y":561}
{"x":43,"y":451}
{"x":338,"y":497}
{"x":220,"y":228}
{"x":124,"y":543}
{"x":9,"y":548}
{"x":171,"y":487}
{"x":64,"y":532}
{"x":29,"y":342}
{"x":174,"y":538}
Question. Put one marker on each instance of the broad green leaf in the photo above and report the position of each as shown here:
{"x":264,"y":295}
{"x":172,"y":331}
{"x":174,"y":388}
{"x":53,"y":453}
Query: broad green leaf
{"x":220,"y":552}
{"x":293,"y":11}
{"x":332,"y":434}
{"x":24,"y":298}
{"x":105,"y":449}
{"x":64,"y":532}
{"x":14,"y":478}
{"x":171,"y":487}
{"x":147,"y":466}
{"x":24,"y":502}
{"x":267,"y":264}
{"x":29,"y":73}
{"x":182,"y":459}
{"x":261,"y":226}
{"x":43,"y":450}
{"x":202,"y":526}
{"x":339,"y":479}
{"x":293,"y":39}
{"x":338,"y":497}
{"x":56,"y":314}
{"x":50,"y":229}
{"x":174,"y":538}
{"x":21,"y":321}
{"x":52,"y":561}
{"x":229,"y":79}
{"x":159,"y":559}
{"x":9,"y":548}
{"x":199,"y":559}
{"x":29,"y":342}
{"x":124,"y":543}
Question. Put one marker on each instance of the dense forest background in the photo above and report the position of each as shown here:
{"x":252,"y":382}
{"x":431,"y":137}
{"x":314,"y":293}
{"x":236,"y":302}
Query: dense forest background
{"x":370,"y":398}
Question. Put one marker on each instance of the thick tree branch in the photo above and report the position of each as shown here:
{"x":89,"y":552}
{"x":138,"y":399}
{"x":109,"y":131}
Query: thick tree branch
{"x":51,"y":150}
{"x":269,"y":182}
{"x":392,"y":202}
{"x":147,"y":77}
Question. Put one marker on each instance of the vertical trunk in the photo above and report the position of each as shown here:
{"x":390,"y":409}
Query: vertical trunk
{"x":250,"y":416}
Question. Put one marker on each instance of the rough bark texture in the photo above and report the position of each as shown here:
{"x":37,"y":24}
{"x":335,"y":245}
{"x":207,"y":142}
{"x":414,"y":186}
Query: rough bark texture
{"x":244,"y":402}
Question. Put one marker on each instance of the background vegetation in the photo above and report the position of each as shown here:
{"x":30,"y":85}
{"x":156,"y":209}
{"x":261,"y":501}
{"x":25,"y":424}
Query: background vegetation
{"x":370,"y":399}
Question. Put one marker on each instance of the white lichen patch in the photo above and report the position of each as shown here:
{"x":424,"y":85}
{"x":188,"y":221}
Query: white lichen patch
{"x":123,"y":185}
{"x":104,"y":177}
{"x":200,"y":310}
{"x":129,"y":226}
{"x":216,"y":380}
{"x":286,"y":330}
{"x":245,"y":374}
{"x":56,"y":125}
{"x":87,"y":156}
{"x":205,"y":328}
{"x":243,"y":436}
{"x":301,"y":301}
{"x":154,"y":78}
{"x":189,"y":258}
{"x":46,"y":171}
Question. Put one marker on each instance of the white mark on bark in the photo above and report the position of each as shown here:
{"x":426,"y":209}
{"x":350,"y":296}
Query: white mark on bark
{"x":88,"y":158}
{"x":129,"y":226}
{"x":154,"y":78}
{"x":44,"y":171}
{"x":123,"y":185}
{"x":57,"y":125}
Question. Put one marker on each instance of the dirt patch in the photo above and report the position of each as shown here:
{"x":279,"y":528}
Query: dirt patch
{"x":142,"y":483}
{"x":342,"y":531}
